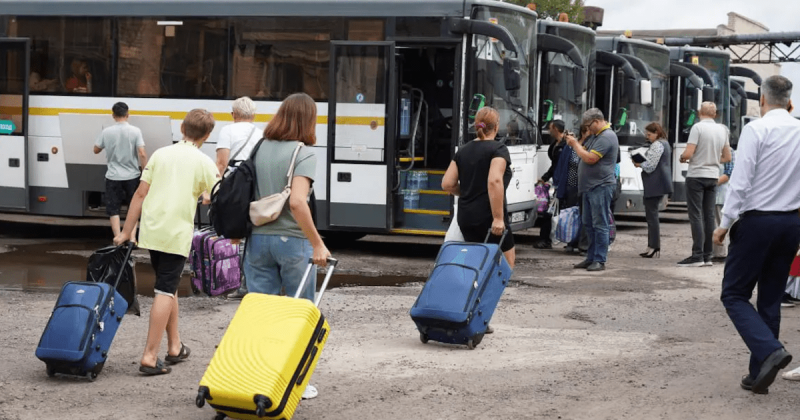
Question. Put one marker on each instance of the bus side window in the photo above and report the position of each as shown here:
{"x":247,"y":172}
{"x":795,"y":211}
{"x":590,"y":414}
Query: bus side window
{"x":69,"y":55}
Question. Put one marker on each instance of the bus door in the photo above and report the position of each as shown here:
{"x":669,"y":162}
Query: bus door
{"x":361,"y":135}
{"x":14,"y":70}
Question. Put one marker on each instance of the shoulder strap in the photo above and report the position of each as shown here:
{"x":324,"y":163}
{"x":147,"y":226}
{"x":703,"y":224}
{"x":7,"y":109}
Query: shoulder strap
{"x":291,"y":165}
{"x":246,"y":141}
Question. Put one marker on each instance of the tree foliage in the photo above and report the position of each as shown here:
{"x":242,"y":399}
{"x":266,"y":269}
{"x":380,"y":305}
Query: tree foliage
{"x":552,"y":8}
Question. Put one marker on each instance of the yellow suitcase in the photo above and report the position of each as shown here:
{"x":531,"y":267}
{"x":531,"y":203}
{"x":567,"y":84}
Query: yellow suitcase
{"x":267,"y":356}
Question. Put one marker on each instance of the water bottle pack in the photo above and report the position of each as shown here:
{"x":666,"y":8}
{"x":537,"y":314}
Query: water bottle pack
{"x":415,"y":181}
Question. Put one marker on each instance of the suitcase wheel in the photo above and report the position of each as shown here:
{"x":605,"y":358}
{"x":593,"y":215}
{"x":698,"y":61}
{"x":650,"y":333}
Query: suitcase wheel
{"x":202,"y":394}
{"x":220,"y":416}
{"x":91,"y":375}
{"x":423,"y":337}
{"x":51,"y":371}
{"x":262,"y":403}
{"x":470,"y":344}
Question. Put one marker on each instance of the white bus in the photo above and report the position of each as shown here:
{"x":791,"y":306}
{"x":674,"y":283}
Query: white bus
{"x":396,"y":82}
{"x":712,"y":66}
{"x":632,"y":90}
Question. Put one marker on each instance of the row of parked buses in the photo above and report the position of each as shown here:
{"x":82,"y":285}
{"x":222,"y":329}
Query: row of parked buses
{"x":397,"y":83}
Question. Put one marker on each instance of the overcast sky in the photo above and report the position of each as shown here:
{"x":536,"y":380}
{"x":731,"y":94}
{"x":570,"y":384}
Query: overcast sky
{"x":777,"y":15}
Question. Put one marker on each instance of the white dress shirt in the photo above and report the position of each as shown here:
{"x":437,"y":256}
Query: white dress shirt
{"x":767,"y":167}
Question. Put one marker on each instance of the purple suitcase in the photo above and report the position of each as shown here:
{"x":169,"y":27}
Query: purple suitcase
{"x":215,"y":263}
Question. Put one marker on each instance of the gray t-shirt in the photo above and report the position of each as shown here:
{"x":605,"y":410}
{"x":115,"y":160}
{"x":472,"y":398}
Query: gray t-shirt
{"x":121,"y":141}
{"x":606,"y":146}
{"x":710,"y":138}
{"x":272,"y":165}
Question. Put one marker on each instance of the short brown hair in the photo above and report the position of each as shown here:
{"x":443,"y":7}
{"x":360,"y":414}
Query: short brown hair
{"x":197,"y":124}
{"x":296,"y":120}
{"x":656,"y":129}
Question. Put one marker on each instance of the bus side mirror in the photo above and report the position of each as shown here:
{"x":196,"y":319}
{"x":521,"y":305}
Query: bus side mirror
{"x":511,"y":76}
{"x":699,"y":99}
{"x":708,"y":94}
{"x":646,"y":93}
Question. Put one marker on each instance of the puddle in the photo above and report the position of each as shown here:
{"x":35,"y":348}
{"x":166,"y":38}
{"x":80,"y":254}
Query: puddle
{"x":46,"y":267}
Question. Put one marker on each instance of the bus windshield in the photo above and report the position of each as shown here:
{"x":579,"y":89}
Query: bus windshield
{"x":560,"y":99}
{"x":487,"y":86}
{"x":719,"y":67}
{"x":631,"y":132}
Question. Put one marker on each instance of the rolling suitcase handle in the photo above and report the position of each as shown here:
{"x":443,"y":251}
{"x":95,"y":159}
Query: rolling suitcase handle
{"x":502,"y":238}
{"x":331,"y":264}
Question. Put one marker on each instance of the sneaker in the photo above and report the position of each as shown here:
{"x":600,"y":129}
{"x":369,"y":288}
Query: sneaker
{"x":543,"y":245}
{"x":719,"y":259}
{"x":708,"y":263}
{"x":237,"y":294}
{"x":788,"y":298}
{"x":310,"y":392}
{"x":691,"y":262}
{"x":785,"y":304}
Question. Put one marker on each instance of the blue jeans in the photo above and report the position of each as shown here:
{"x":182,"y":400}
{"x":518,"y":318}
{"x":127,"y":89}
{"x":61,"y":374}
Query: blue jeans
{"x":761,"y":252}
{"x":596,"y":221}
{"x":273,"y":263}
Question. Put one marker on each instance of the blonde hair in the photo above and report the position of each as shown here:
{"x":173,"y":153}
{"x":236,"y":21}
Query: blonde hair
{"x":708,"y":109}
{"x":486,"y":121}
{"x":244,"y":108}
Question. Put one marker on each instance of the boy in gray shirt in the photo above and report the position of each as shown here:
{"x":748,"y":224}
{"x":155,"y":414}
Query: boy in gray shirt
{"x":707,"y":149}
{"x":125,"y":154}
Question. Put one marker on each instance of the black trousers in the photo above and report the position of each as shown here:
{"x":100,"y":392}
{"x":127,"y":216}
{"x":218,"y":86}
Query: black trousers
{"x":653,"y":227}
{"x":760,"y":255}
{"x":701,"y":197}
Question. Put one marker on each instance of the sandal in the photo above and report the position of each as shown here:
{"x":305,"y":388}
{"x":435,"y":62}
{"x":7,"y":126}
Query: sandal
{"x":159,"y":369}
{"x":182,"y":355}
{"x":793,"y":375}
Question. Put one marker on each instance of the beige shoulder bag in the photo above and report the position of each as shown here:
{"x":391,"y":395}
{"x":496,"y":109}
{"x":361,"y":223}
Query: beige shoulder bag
{"x":267,"y":209}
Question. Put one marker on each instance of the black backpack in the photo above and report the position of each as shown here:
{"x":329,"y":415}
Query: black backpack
{"x":230,"y":200}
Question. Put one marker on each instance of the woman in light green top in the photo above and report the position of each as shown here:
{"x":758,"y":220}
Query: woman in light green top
{"x":277,"y":253}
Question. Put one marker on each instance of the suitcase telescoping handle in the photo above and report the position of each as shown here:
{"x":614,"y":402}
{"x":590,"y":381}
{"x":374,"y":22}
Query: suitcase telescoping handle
{"x":130,"y":245}
{"x":502,"y":238}
{"x":331,"y":266}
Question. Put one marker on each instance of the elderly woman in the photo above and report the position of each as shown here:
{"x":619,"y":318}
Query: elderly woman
{"x":657,"y":180}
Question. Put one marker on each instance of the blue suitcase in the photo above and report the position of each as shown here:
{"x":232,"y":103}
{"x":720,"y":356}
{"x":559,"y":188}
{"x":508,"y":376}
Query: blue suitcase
{"x":461,"y":294}
{"x":83,"y":324}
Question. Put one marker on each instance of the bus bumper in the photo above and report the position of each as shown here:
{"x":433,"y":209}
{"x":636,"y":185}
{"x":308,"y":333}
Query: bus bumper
{"x":522,"y":215}
{"x":629,"y":202}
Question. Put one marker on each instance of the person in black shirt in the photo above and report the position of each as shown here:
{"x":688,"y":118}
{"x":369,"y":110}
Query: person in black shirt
{"x":557,"y":131}
{"x":479,"y":174}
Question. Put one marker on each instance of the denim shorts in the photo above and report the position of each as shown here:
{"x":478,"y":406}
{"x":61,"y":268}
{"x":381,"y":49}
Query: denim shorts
{"x":275,"y":265}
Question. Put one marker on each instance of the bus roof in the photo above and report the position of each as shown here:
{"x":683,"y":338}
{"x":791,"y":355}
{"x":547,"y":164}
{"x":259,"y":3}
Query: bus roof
{"x":701,"y":51}
{"x":571,"y":26}
{"x":239,"y":8}
{"x":608,"y":42}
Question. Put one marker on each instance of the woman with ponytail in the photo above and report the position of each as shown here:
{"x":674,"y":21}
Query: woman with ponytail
{"x":479,"y":175}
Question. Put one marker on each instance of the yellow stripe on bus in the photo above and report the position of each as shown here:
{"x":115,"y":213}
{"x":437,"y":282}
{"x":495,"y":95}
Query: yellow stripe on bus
{"x":419,"y":232}
{"x":432,"y":212}
{"x":180,"y":115}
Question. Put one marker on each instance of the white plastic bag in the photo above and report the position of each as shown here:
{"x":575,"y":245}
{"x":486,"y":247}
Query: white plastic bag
{"x":454,"y":232}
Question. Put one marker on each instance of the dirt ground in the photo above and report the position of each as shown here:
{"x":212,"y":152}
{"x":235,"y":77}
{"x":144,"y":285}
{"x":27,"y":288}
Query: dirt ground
{"x":644,"y":339}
